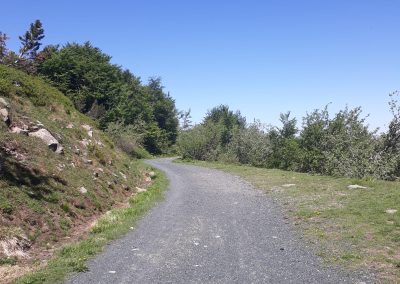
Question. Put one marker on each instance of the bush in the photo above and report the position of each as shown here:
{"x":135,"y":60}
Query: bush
{"x":250,"y":145}
{"x":339,"y":146}
{"x":128,"y":138}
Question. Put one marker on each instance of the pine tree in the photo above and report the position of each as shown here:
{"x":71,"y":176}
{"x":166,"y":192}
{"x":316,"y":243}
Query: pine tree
{"x":31,"y":41}
{"x":3,"y":47}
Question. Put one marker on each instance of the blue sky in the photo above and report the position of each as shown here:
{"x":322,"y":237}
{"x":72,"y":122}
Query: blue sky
{"x":261,"y":57}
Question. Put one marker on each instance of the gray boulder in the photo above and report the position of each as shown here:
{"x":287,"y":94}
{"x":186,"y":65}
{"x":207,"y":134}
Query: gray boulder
{"x":5,"y":116}
{"x":49,"y":139}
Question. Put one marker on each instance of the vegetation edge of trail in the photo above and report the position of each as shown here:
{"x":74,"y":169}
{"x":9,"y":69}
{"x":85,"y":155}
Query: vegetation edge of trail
{"x":73,"y":257}
{"x":358,"y":229}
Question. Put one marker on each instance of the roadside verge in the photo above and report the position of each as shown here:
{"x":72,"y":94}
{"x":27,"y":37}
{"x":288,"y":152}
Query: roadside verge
{"x":115,"y":223}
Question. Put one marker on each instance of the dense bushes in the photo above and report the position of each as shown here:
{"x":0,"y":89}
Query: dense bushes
{"x":338,"y":145}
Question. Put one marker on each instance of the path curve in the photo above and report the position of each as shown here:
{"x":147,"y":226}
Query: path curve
{"x":212,"y":227}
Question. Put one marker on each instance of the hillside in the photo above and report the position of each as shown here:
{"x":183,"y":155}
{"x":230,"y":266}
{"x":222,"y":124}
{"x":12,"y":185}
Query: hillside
{"x":58,"y":172}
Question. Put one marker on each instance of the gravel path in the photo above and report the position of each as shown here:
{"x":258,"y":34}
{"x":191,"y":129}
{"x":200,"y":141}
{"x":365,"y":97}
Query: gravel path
{"x":212,"y":227}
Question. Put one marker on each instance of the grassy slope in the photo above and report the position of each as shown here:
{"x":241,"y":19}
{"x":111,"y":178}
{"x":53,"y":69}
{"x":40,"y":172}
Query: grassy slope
{"x":73,"y":258}
{"x":349,"y":227}
{"x":40,"y":198}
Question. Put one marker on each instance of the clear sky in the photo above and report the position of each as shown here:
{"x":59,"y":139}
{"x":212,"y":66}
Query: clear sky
{"x":262,"y":57}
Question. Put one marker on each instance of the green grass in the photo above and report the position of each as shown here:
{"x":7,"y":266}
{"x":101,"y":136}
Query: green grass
{"x":349,"y":227}
{"x":72,"y":258}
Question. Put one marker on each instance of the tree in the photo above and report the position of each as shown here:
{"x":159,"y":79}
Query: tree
{"x":31,"y":41}
{"x":164,"y":109}
{"x":185,"y":117}
{"x":3,"y":47}
{"x":289,"y":128}
{"x":30,"y":44}
{"x":228,"y":121}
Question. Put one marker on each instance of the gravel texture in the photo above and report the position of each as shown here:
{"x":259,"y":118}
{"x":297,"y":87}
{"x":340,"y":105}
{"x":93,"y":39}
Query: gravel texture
{"x":212,"y":227}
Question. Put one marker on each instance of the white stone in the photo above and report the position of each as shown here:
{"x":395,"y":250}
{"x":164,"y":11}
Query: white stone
{"x":4,"y":103}
{"x":288,"y":185}
{"x":139,"y":190}
{"x":4,"y":114}
{"x":391,"y":211}
{"x":356,"y":186}
{"x":123,"y":175}
{"x":17,"y":130}
{"x":85,"y":142}
{"x":83,"y":190}
{"x":87,"y":127}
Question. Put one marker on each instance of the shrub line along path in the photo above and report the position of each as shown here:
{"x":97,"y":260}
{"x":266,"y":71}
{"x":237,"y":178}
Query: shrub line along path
{"x":212,"y":227}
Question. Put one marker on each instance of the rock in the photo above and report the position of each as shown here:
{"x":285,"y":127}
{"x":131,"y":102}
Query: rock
{"x":77,"y":151}
{"x":152,"y":174}
{"x":391,"y":211}
{"x":4,"y":103}
{"x":98,"y":171}
{"x":87,"y":161}
{"x":288,"y":185}
{"x":139,"y":190}
{"x":49,"y":139}
{"x":123,"y":175}
{"x":110,"y":185}
{"x":16,"y":246}
{"x":18,"y":130}
{"x":356,"y":186}
{"x":89,"y":129}
{"x":83,"y":190}
{"x":39,"y":124}
{"x":60,"y":167}
{"x":84,"y":142}
{"x":70,"y":126}
{"x":86,"y":127}
{"x":5,"y":116}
